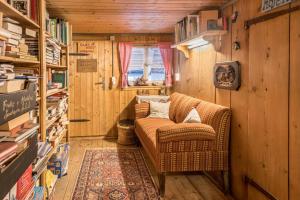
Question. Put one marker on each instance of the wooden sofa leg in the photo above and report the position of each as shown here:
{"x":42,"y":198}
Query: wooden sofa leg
{"x":226,"y":181}
{"x":162,"y":184}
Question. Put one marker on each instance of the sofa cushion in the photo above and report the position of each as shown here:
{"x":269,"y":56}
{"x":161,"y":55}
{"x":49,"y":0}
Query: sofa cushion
{"x":186,"y":104}
{"x":146,"y":130}
{"x":175,"y":100}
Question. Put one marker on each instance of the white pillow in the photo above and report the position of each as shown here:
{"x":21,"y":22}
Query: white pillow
{"x":159,"y":110}
{"x":192,"y":117}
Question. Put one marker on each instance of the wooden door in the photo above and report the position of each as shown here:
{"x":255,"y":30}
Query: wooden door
{"x":268,"y":107}
{"x":90,"y":105}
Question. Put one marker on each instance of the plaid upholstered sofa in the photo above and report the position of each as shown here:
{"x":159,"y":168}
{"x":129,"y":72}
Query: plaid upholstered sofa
{"x":174,"y":146}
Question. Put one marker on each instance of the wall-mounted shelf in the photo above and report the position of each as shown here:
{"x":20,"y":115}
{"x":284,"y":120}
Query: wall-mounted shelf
{"x":213,"y":37}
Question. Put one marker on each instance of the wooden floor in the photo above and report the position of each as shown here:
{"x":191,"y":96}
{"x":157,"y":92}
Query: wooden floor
{"x":188,"y":187}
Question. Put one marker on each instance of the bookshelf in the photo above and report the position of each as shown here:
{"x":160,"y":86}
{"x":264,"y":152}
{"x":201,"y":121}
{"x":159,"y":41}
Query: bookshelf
{"x":43,"y":70}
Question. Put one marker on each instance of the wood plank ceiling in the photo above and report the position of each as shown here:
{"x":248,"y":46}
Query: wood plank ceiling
{"x":126,"y":16}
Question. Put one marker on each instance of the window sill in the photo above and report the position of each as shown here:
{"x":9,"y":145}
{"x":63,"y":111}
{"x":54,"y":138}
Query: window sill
{"x":158,"y":87}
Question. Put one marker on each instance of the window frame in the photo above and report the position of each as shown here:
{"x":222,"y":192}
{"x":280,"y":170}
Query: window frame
{"x":146,"y":68}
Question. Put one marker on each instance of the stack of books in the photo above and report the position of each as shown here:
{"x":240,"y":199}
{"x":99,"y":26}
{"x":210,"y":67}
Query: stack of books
{"x":16,"y":132}
{"x":8,"y":150}
{"x":53,"y":52}
{"x":4,"y":35}
{"x":16,"y":45}
{"x":32,"y":42}
{"x":6,"y":72}
{"x":8,"y":81}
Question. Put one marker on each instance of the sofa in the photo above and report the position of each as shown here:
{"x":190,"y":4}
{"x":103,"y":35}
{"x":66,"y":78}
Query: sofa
{"x":173,"y":146}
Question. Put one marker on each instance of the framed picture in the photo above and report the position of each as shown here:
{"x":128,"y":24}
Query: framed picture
{"x":227,"y":75}
{"x":21,"y":5}
{"x":268,"y":5}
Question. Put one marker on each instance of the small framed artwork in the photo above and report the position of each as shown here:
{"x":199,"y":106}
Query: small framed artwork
{"x":227,"y":75}
{"x":21,"y":5}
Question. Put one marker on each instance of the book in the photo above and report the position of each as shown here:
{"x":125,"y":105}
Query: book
{"x":5,"y":33}
{"x":12,"y":86}
{"x":12,"y":27}
{"x":38,"y":193}
{"x":10,"y":20}
{"x":14,"y":123}
{"x":7,"y":76}
{"x":25,"y":183}
{"x":7,"y":149}
{"x":12,"y":48}
{"x":31,"y":33}
{"x":23,"y":134}
{"x":33,"y":10}
{"x":12,"y":41}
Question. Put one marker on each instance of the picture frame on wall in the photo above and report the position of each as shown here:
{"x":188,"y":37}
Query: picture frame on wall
{"x":227,"y":75}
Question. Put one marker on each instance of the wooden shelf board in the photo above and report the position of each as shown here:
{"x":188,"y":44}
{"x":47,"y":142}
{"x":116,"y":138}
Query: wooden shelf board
{"x":199,"y":37}
{"x":18,"y":60}
{"x":56,"y":66}
{"x":9,"y":11}
{"x":55,"y":92}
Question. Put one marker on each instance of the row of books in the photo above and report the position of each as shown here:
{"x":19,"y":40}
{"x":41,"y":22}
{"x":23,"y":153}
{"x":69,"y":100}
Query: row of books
{"x":58,"y":29}
{"x":26,"y":7}
{"x":193,"y":25}
{"x":18,"y":42}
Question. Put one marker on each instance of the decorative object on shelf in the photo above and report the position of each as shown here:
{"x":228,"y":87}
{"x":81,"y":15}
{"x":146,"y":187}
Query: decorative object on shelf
{"x":21,"y":5}
{"x":236,"y":45}
{"x":141,"y":82}
{"x":234,"y":16}
{"x":17,"y":103}
{"x":208,"y":20}
{"x":227,"y":75}
{"x":268,"y":5}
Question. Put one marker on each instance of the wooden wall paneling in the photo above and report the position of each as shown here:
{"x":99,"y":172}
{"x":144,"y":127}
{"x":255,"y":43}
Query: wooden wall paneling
{"x":294,"y":123}
{"x":71,"y":88}
{"x":239,"y":105}
{"x":268,"y":110}
{"x":95,"y":106}
{"x":101,"y":94}
{"x":223,"y":96}
{"x":207,"y":62}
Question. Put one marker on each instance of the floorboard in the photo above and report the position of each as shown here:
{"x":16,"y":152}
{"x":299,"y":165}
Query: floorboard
{"x":178,"y":187}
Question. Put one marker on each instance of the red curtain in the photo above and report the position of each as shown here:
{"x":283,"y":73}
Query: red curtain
{"x":167,"y":56}
{"x":125,"y":53}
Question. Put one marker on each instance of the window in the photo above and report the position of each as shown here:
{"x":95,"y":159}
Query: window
{"x":147,"y":63}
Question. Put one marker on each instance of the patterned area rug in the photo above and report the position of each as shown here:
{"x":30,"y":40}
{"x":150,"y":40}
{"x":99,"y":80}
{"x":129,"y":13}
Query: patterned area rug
{"x":114,"y":174}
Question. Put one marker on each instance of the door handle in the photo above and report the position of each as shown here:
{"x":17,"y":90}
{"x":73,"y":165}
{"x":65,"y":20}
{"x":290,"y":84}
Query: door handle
{"x":99,"y":83}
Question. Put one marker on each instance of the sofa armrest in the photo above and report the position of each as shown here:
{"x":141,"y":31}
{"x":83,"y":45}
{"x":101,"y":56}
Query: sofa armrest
{"x":142,"y":110}
{"x":185,"y":131}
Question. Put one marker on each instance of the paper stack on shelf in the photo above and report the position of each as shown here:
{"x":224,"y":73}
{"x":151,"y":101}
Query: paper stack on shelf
{"x":53,"y":52}
{"x":31,"y":41}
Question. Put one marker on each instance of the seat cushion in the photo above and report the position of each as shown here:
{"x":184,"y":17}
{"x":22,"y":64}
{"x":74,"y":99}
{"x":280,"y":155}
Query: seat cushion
{"x":145,"y":129}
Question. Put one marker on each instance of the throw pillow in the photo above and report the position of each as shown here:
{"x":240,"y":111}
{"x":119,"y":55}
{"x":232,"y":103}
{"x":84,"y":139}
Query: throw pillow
{"x":192,"y":117}
{"x":159,"y":110}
